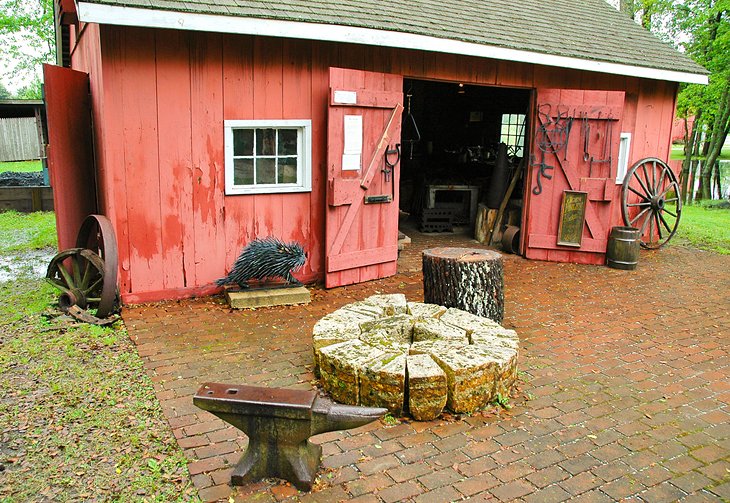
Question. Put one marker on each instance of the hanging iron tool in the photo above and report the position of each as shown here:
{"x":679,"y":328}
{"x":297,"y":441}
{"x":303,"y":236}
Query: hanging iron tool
{"x":537,"y":190}
{"x":606,"y":153}
{"x":410,"y":126}
{"x":390,"y":166}
{"x":586,"y":130}
{"x":552,"y":137}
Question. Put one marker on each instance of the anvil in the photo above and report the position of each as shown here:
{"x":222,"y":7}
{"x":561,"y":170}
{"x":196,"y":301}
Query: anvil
{"x":278,"y":423}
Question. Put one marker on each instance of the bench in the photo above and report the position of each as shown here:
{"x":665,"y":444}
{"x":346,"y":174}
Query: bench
{"x":278,"y":423}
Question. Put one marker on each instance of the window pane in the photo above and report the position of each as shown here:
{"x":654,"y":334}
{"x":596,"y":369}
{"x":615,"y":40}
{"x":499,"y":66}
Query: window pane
{"x":288,"y":142}
{"x":243,"y":171}
{"x":265,"y":170}
{"x":288,"y":170}
{"x":266,"y":142}
{"x":242,"y":142}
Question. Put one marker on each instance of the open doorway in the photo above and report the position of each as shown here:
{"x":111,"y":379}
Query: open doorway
{"x":461,"y":146}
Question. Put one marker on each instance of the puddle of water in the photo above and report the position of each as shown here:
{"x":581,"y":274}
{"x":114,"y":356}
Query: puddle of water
{"x":33,"y":263}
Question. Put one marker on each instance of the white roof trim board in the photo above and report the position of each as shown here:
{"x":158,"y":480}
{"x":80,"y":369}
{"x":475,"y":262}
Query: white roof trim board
{"x":131,"y":16}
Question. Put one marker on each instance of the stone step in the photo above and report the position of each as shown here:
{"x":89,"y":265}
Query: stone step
{"x":267,"y":297}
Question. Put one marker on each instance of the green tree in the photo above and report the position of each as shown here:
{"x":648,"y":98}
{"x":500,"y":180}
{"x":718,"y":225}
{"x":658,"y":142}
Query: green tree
{"x":706,"y":27}
{"x":4,"y":93}
{"x":27,"y":37}
{"x":30,"y":92}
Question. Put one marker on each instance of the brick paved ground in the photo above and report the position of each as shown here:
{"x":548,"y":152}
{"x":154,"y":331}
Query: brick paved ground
{"x":627,"y":375}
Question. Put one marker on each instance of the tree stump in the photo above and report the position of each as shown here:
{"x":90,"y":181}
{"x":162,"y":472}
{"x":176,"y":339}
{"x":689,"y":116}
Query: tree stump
{"x":465,"y":278}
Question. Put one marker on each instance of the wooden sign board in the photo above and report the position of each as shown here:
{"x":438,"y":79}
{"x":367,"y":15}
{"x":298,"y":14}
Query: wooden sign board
{"x":572,"y":218}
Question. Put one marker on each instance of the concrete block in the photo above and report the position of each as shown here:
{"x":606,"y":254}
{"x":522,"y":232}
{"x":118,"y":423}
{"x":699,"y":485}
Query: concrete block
{"x":267,"y":297}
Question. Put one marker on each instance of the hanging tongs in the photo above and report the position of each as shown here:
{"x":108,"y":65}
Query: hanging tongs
{"x":410,"y":122}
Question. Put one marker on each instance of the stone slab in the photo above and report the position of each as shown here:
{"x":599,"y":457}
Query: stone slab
{"x":474,"y":374}
{"x":267,"y":297}
{"x":423,"y":310}
{"x":391,"y":304}
{"x":399,"y":327}
{"x":383,"y":381}
{"x":500,"y":337}
{"x":340,"y":366}
{"x":432,"y":329}
{"x":467,"y":321}
{"x":427,"y":388}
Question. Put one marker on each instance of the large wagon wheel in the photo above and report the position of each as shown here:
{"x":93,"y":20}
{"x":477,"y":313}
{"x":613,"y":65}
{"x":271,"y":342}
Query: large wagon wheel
{"x":97,"y":234}
{"x":651,"y":201}
{"x":79,"y":274}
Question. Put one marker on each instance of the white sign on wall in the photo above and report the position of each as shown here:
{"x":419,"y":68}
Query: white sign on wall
{"x":352,"y":154}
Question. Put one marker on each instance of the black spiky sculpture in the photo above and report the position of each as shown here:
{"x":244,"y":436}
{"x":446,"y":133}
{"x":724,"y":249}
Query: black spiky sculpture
{"x":266,"y":258}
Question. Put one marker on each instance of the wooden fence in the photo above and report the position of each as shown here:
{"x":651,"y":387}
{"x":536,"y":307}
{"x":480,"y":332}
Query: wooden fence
{"x":19,"y":139}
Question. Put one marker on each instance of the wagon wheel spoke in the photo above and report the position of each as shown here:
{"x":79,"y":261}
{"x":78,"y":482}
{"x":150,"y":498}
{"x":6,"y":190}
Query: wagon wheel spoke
{"x":638,"y":204}
{"x":637,"y":217}
{"x":76,"y":271}
{"x":647,"y":192}
{"x":95,"y":285}
{"x":642,"y":196}
{"x":654,"y":178}
{"x":643,"y":226}
{"x":648,"y":182}
{"x":84,"y":281}
{"x":664,"y":222}
{"x":65,"y":276}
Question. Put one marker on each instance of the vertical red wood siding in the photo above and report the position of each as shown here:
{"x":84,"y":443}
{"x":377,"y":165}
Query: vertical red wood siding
{"x":161,"y":99}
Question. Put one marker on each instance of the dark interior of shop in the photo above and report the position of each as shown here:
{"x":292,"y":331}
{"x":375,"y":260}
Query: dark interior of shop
{"x":451,"y":160}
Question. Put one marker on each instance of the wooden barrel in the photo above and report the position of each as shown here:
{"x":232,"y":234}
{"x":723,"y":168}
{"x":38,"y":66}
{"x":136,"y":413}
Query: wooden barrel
{"x":623,"y":248}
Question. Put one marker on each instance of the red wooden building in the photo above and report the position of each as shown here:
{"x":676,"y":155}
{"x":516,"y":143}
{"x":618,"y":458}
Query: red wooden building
{"x":214,"y":123}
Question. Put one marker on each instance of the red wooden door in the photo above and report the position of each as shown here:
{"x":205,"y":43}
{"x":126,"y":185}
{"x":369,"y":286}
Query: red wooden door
{"x":574,"y":149}
{"x":364,"y":121}
{"x":70,"y":153}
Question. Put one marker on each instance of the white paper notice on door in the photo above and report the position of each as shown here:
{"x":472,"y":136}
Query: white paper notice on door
{"x":352,"y":154}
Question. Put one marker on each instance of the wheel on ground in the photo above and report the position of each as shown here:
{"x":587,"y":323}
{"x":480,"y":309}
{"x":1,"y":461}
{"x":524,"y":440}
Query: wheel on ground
{"x":79,"y":274}
{"x":651,"y":201}
{"x":97,"y":234}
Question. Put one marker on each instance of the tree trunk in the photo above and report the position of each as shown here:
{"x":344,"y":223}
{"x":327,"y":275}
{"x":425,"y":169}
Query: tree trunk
{"x":719,"y":131}
{"x":465,"y":278}
{"x":718,"y":185}
{"x":690,"y":138}
{"x":692,"y":177}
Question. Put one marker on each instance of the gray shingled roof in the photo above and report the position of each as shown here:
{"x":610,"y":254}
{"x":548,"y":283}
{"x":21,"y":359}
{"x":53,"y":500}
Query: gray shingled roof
{"x":584,"y":29}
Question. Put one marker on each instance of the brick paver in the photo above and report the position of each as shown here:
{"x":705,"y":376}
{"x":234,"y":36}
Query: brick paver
{"x":624,"y":391}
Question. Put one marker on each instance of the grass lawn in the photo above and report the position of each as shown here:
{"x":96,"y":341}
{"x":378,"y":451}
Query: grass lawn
{"x":27,"y":231}
{"x":677,"y":152}
{"x":705,"y":227}
{"x":79,"y":420}
{"x":21,"y":166}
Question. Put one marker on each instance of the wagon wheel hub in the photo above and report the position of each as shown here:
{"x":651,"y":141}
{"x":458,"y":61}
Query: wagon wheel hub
{"x":73,"y":297}
{"x":657,"y":202}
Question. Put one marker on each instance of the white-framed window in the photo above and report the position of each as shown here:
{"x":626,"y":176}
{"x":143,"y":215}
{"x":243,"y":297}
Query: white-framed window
{"x":624,"y":147}
{"x":268,"y":156}
{"x":513,"y":133}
